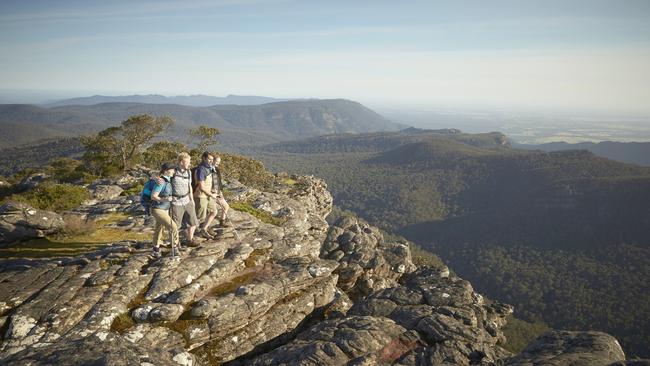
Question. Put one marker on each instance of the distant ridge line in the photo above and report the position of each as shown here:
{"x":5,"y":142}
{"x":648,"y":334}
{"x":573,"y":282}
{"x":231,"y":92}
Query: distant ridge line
{"x":195,"y":100}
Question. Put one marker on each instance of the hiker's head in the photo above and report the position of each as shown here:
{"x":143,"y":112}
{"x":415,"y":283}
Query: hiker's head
{"x":184,"y":160}
{"x":207,"y":157}
{"x":167,"y":169}
{"x":217,"y":160}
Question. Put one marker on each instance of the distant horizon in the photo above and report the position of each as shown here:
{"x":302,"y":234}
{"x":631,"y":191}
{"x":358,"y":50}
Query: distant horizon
{"x":45,"y":96}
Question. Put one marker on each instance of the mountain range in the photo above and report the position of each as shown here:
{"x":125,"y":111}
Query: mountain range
{"x":240,"y":126}
{"x":627,"y":152}
{"x":187,"y":100}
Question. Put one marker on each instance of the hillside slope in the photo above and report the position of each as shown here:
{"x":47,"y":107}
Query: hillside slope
{"x":626,"y":152}
{"x":462,"y":198}
{"x":241,"y":126}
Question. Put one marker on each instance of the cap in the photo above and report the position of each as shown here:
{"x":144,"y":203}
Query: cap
{"x":168,"y":165}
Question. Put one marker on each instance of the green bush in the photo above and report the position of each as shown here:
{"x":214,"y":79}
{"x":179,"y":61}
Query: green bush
{"x":136,"y":189}
{"x":519,"y":333}
{"x":259,"y":214}
{"x":246,"y":170}
{"x":66,"y":170}
{"x":422,"y":257}
{"x":161,"y":152}
{"x":53,"y":197}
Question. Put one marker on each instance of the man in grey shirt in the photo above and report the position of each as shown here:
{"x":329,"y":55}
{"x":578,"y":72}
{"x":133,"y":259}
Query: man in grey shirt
{"x":217,"y":189}
{"x":183,"y":202}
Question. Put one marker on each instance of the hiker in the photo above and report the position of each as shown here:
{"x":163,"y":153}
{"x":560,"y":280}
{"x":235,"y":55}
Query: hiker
{"x":206,"y":208}
{"x":161,"y":196}
{"x":182,"y":192}
{"x":217,"y":189}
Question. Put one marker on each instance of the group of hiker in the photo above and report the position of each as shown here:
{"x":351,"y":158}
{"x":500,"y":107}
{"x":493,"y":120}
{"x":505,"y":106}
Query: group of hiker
{"x":184,"y":195}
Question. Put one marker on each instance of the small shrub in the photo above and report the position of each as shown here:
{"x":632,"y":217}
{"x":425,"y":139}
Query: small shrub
{"x":122,"y":322}
{"x":135,"y":190}
{"x":259,"y":214}
{"x":422,"y":257}
{"x":66,"y":170}
{"x":519,"y":333}
{"x":288,"y":181}
{"x":246,"y":170}
{"x":161,"y":152}
{"x":53,"y":197}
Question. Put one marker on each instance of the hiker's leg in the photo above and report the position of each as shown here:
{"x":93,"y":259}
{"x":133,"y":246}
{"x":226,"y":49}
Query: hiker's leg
{"x":212,"y":213}
{"x":177,"y":215}
{"x":224,"y":207}
{"x":193,"y":220}
{"x":201,"y":209}
{"x":169,"y":224}
{"x":158,"y":228}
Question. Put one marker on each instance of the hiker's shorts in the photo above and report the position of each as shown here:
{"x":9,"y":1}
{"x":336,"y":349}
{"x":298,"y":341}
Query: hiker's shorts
{"x":179,"y":211}
{"x":205,"y":205}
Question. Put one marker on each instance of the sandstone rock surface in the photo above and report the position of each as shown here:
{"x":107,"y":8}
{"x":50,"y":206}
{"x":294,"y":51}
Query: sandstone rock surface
{"x":570,"y":348}
{"x":19,"y":221}
{"x":294,"y":290}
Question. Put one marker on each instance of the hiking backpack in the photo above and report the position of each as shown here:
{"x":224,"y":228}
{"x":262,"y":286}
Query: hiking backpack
{"x":195,"y":181}
{"x":145,"y":196}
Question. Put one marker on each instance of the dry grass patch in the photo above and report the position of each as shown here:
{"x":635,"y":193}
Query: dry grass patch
{"x":122,"y":322}
{"x":263,"y":216}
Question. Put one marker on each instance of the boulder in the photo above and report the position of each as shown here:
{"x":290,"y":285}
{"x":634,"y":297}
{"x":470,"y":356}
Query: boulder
{"x":106,"y":192}
{"x":32,"y":181}
{"x":368,"y":261}
{"x":562,"y":347}
{"x":19,"y":221}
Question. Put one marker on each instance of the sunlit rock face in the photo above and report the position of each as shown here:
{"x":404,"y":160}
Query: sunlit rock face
{"x":294,"y":290}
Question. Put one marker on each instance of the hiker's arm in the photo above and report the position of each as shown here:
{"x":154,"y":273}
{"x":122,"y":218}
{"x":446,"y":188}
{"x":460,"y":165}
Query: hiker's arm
{"x":205,"y":189}
{"x":155,"y":196}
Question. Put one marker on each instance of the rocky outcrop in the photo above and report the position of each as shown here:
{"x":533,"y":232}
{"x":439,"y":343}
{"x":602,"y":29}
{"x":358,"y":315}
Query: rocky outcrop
{"x":570,"y":348}
{"x":19,"y":221}
{"x":219,"y":301}
{"x":431,"y":319}
{"x":367,"y":261}
{"x":291,"y":290}
{"x":31,"y":181}
{"x":105,"y":191}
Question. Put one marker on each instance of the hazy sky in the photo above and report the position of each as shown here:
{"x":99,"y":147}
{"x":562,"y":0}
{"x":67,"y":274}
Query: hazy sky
{"x":586,"y":54}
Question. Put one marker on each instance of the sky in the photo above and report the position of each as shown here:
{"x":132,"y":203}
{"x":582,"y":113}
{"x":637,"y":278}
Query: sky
{"x":555,"y":54}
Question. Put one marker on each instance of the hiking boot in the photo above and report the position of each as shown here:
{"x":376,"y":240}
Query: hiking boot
{"x":225,"y":223}
{"x":191,"y":244}
{"x":156,"y":252}
{"x":204,"y":233}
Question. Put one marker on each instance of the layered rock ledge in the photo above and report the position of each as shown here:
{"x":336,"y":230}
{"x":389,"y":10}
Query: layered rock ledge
{"x":295,"y":291}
